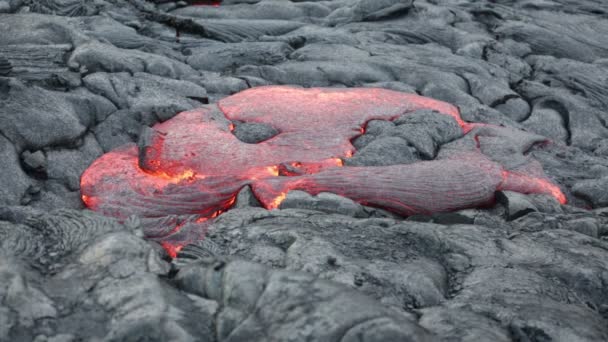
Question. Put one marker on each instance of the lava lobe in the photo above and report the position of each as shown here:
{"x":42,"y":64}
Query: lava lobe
{"x":190,"y":168}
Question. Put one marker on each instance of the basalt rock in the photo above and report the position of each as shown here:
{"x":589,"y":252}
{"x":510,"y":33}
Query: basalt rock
{"x":82,"y":78}
{"x":5,"y":66}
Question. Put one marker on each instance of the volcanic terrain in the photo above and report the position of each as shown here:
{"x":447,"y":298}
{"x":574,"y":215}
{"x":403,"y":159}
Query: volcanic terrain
{"x":274,"y":170}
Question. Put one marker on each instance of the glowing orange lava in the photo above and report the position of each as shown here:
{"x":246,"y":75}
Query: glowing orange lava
{"x":162,"y":181}
{"x":186,"y":175}
{"x":276,"y":202}
{"x":214,"y":3}
{"x":171,"y":249}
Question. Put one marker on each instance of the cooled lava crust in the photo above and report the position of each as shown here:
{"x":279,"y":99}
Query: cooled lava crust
{"x":190,"y":168}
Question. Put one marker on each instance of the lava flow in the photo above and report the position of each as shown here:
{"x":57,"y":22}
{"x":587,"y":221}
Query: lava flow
{"x":190,"y":168}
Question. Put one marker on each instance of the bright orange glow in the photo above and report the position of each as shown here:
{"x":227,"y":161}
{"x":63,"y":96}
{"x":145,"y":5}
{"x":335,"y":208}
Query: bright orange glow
{"x":88,"y":201}
{"x":171,"y":249}
{"x":273,"y":170}
{"x":276,"y":202}
{"x":192,"y":168}
{"x":187,"y":175}
{"x":515,"y":181}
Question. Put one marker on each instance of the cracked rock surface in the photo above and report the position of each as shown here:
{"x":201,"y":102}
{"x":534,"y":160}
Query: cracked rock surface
{"x":80,"y":78}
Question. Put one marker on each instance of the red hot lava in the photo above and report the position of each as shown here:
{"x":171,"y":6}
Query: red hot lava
{"x":190,"y":168}
{"x":214,"y":3}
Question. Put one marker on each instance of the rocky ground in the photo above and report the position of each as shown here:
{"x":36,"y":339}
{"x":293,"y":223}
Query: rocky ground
{"x":79,"y":78}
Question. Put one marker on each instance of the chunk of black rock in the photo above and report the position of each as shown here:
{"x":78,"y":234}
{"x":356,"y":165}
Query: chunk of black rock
{"x":31,"y":194}
{"x":515,"y":108}
{"x":377,"y":127}
{"x":34,"y":161}
{"x":426,"y":130}
{"x":584,"y":225}
{"x":593,"y":190}
{"x":420,"y":218}
{"x":517,"y":204}
{"x":253,"y":133}
{"x":5,"y":66}
{"x":201,"y":250}
{"x":331,"y":260}
{"x":546,"y":203}
{"x":245,"y":198}
{"x":324,"y":202}
{"x":602,"y":148}
{"x":145,"y":146}
{"x":384,"y":151}
{"x":452,"y":218}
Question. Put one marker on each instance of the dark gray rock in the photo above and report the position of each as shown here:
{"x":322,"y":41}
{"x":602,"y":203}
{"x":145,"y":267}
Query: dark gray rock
{"x":562,"y":36}
{"x":325,"y":202}
{"x":426,"y":131}
{"x":245,"y":198}
{"x":321,"y":268}
{"x":13,"y":181}
{"x":5,"y":66}
{"x":593,"y":191}
{"x":120,"y":128}
{"x":452,"y":218}
{"x":220,"y":57}
{"x":583,"y":130}
{"x":328,"y":52}
{"x":515,"y":108}
{"x":333,"y":248}
{"x":41,"y":64}
{"x":384,"y":151}
{"x":550,"y":122}
{"x":24,"y":302}
{"x":240,"y":30}
{"x":119,"y":34}
{"x":5,"y":6}
{"x":318,"y":74}
{"x":517,"y":204}
{"x":455,"y":323}
{"x":97,"y":57}
{"x":35,"y":162}
{"x":296,"y":11}
{"x":53,"y":118}
{"x":73,"y":8}
{"x":368,"y":10}
{"x":99,"y":270}
{"x":585,"y":225}
{"x":66,"y":165}
{"x":31,"y":28}
{"x":278,"y":296}
{"x":157,"y":98}
{"x":253,"y":133}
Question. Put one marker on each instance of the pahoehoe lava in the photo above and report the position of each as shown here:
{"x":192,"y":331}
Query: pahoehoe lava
{"x":193,"y":121}
{"x":190,"y":168}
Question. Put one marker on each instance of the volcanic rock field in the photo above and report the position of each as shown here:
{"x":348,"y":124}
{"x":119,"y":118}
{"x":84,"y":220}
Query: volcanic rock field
{"x":274,"y":170}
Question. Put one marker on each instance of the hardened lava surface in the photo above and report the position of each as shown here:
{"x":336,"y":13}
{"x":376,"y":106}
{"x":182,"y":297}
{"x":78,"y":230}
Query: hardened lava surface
{"x":274,"y":170}
{"x":193,"y":166}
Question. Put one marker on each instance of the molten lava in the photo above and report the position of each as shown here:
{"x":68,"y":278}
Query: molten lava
{"x":189,"y":169}
{"x":214,"y":3}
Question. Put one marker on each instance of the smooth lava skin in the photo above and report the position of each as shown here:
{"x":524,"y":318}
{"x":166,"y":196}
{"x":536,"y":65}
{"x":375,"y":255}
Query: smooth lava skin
{"x":192,"y":166}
